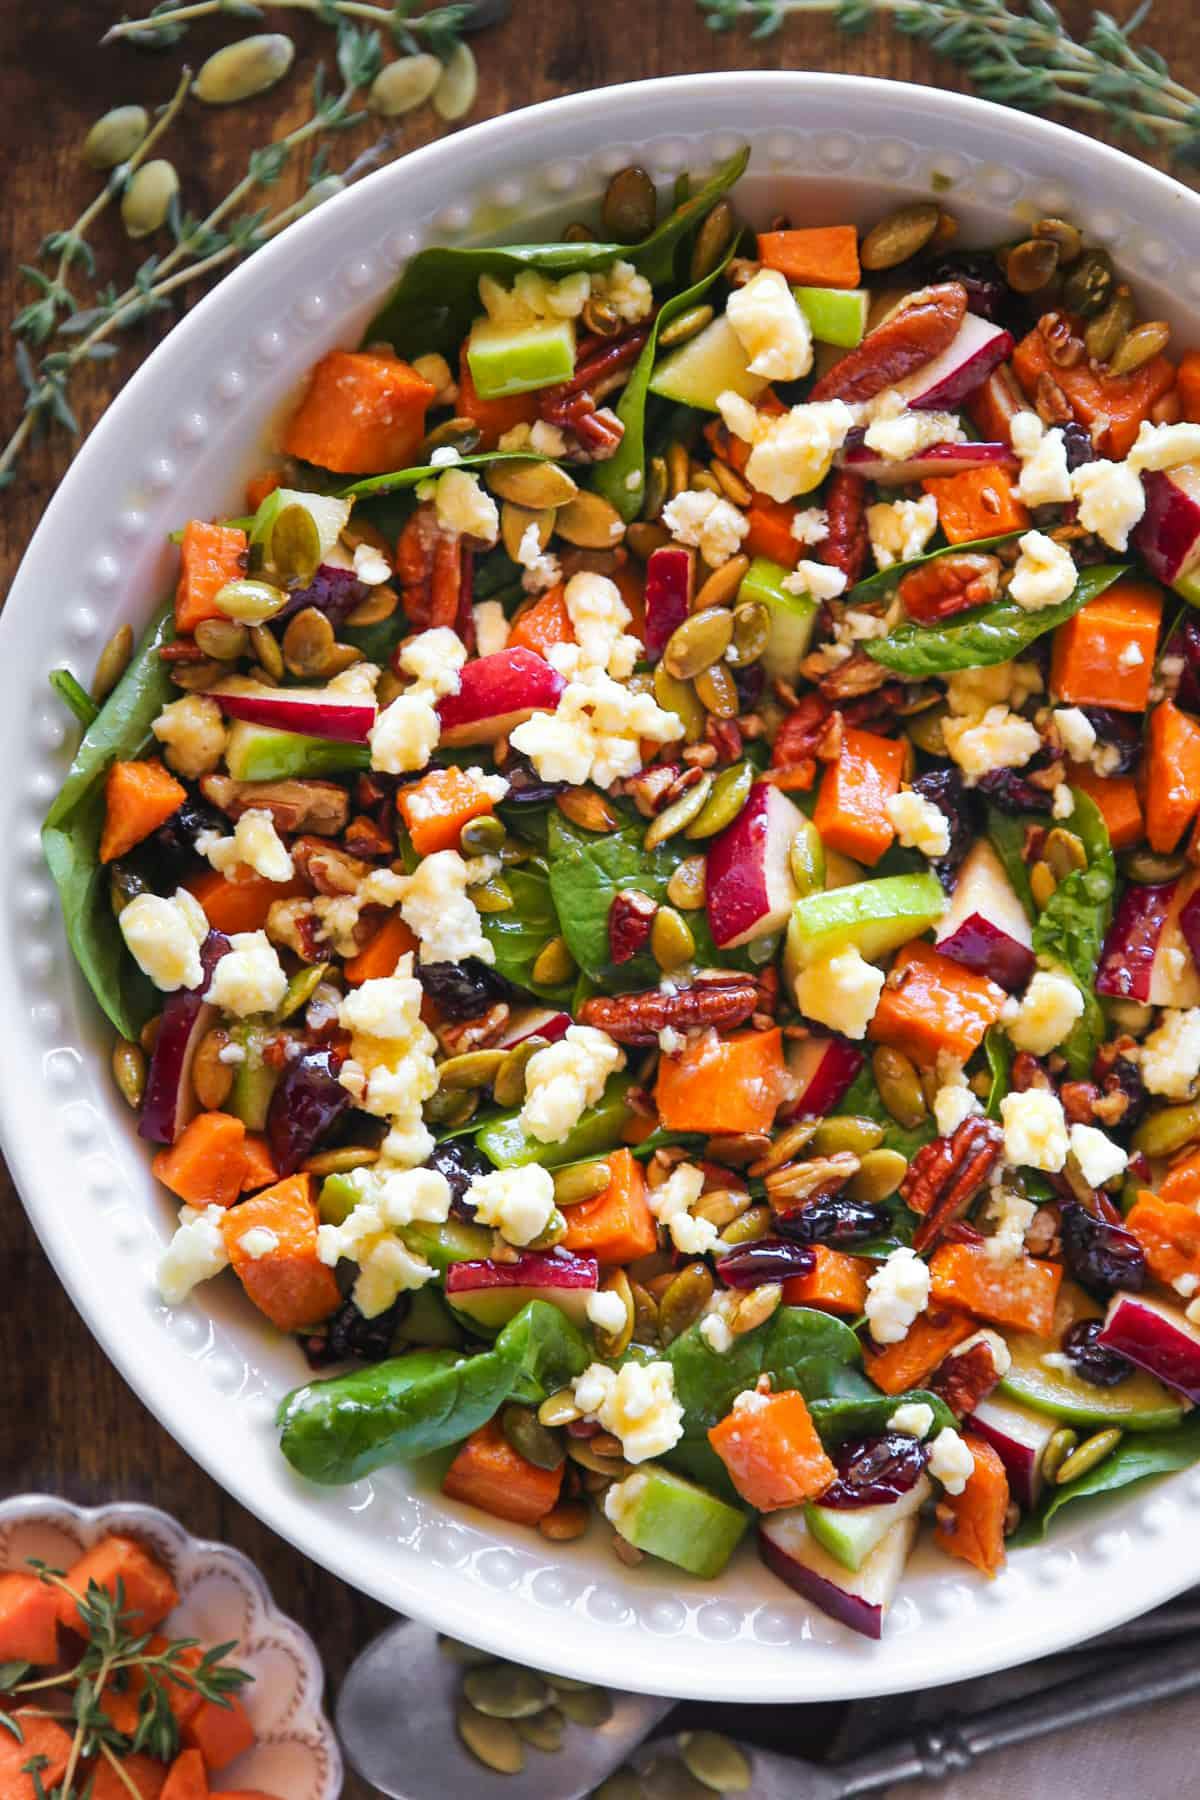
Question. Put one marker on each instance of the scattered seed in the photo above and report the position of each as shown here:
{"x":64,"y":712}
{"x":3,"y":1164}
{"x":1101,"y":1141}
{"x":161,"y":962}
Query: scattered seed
{"x":241,"y":70}
{"x":212,"y":1078}
{"x":1089,"y":283}
{"x":751,"y":634}
{"x":720,"y":587}
{"x":681,"y":812}
{"x":899,"y":1087}
{"x":666,"y":1778}
{"x":113,"y":662}
{"x":1061,"y":1445}
{"x":688,"y":324}
{"x":1167,"y":1130}
{"x":783,"y":1147}
{"x":466,"y":1654}
{"x":715,"y":1760}
{"x":515,"y":522}
{"x":1093,"y":1450}
{"x":1064,"y":852}
{"x":114,"y":138}
{"x":712,"y":241}
{"x":196,"y":677}
{"x":653,"y":498}
{"x":580,"y":1181}
{"x":700,"y":641}
{"x":590,"y":521}
{"x":879,"y":1175}
{"x":341,"y":1161}
{"x":252,"y":602}
{"x":731,"y":483}
{"x":545,"y":1729}
{"x":558,"y":1409}
{"x":672,"y":943}
{"x":1110,"y":325}
{"x":583,"y":1452}
{"x":686,"y":887}
{"x":403,"y":85}
{"x":129,"y":1071}
{"x":756,"y":1307}
{"x":454,"y":95}
{"x":534,"y":485}
{"x":223,"y":639}
{"x":590,"y":1706}
{"x":1067,"y":237}
{"x":308,"y":642}
{"x":503,"y":1690}
{"x":717,"y":692}
{"x":630,"y":206}
{"x":147,"y":199}
{"x":1141,"y":346}
{"x":462,"y":435}
{"x":623,"y":1785}
{"x":1028,"y":266}
{"x":493,"y":1741}
{"x":586,"y":808}
{"x":680,"y":698}
{"x":473,"y":1069}
{"x":612,"y":1344}
{"x":903,"y":234}
{"x":508,"y":1082}
{"x":754,"y":1223}
{"x":684,"y":1300}
{"x":806,"y":858}
{"x":679,"y":468}
{"x":721,"y":1206}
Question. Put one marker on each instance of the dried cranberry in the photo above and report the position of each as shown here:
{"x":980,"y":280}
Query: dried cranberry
{"x":1091,"y":1361}
{"x":956,"y":802}
{"x":460,"y":1162}
{"x":835,"y":1219}
{"x":1187,"y":645}
{"x":349,"y":1337}
{"x":750,"y":683}
{"x":1077,"y":442}
{"x":335,"y":592}
{"x":1126,"y":1076}
{"x":1099,"y":1254}
{"x":308,"y":1101}
{"x":1117,"y":731}
{"x":1009,"y":792}
{"x":872,"y":1471}
{"x":767,"y":1259}
{"x":463,"y":990}
{"x":162,"y":860}
{"x":525,"y":785}
{"x":988,"y":295}
{"x":630,"y":922}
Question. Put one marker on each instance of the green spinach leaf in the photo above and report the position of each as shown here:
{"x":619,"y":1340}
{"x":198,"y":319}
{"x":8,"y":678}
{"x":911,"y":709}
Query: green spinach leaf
{"x":519,"y":936}
{"x":1007,"y":835}
{"x":72,"y":828}
{"x":998,"y":1050}
{"x":885,"y":581}
{"x":338,"y":1430}
{"x":1071,"y":928}
{"x":655,"y":256}
{"x":844,"y":1417}
{"x":1136,"y":1458}
{"x":74,"y":696}
{"x":372,"y":486}
{"x":989,"y":634}
{"x":863,"y":1100}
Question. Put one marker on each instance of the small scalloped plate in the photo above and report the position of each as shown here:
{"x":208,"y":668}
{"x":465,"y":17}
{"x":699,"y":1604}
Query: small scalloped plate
{"x":179,"y":440}
{"x":221,"y":1596}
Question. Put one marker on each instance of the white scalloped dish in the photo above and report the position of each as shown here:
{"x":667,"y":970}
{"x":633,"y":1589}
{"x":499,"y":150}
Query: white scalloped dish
{"x":176,"y":444}
{"x":222,"y":1597}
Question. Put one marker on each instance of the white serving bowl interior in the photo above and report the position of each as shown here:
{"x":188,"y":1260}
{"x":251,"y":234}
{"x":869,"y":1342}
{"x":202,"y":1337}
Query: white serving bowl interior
{"x":177,"y":442}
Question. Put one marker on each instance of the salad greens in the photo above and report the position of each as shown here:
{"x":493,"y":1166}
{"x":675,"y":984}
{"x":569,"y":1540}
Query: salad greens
{"x":519,"y":936}
{"x":1136,"y":1458}
{"x":1007,"y":832}
{"x":401,"y":479}
{"x":884,"y":582}
{"x":990,"y":634}
{"x":1071,"y":927}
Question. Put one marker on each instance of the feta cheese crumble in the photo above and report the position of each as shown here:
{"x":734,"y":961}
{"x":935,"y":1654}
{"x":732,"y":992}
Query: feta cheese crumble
{"x":1049,"y":1008}
{"x":596,"y":732}
{"x":1170,"y":1056}
{"x":606,"y":1311}
{"x":196,"y":1253}
{"x":636,"y":1403}
{"x":716,"y":1333}
{"x":541,"y":569}
{"x":1099,"y":1159}
{"x":896,"y":1293}
{"x":1164,"y":446}
{"x":463,"y":505}
{"x":841,"y":991}
{"x":437,"y":906}
{"x":163,"y":935}
{"x":491,"y":627}
{"x":671,"y":1204}
{"x":900,"y":529}
{"x":919,"y":824}
{"x":255,"y":843}
{"x":914,"y":1419}
{"x":598,"y":618}
{"x":820,"y":581}
{"x":1111,"y":500}
{"x":810,"y":525}
{"x":1035,"y":1130}
{"x":1076,"y":733}
{"x":405,"y":735}
{"x":770,"y":327}
{"x":791,"y":453}
{"x":1045,"y":478}
{"x":706,"y":522}
{"x":1044,"y":574}
{"x":391,"y":1070}
{"x":519,"y":1203}
{"x":1011,"y":1216}
{"x":565,"y":1078}
{"x":999,"y":740}
{"x":951,"y":1461}
{"x":194,"y":733}
{"x":906,"y":434}
{"x":249,"y":978}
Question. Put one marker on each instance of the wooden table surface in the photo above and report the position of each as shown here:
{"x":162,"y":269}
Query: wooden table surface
{"x":69,"y":1423}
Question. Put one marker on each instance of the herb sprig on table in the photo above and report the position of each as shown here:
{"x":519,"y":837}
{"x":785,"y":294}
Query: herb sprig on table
{"x":115,"y":1657}
{"x":1024,"y":57}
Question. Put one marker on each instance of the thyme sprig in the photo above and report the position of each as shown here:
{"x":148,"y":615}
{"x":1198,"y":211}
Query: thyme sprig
{"x":1027,"y":59}
{"x":115,"y":1657}
{"x":437,"y":29}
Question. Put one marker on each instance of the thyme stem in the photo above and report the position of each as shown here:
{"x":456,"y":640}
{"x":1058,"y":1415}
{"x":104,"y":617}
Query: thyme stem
{"x":205,"y":9}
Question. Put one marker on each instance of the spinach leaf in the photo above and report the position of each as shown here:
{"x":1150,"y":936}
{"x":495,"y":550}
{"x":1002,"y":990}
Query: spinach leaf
{"x":74,"y":696}
{"x":338,"y":1430}
{"x":374,"y":485}
{"x":72,"y":828}
{"x":519,"y":936}
{"x":597,"y":1131}
{"x":863,"y":1100}
{"x":1006,"y":834}
{"x":1071,"y":928}
{"x":614,"y":478}
{"x":840,"y":1417}
{"x":987,"y":635}
{"x":1136,"y":1458}
{"x":437,"y":297}
{"x":884,"y":582}
{"x":998,"y":1050}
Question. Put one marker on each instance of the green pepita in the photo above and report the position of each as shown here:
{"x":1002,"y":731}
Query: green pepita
{"x":590,"y":1706}
{"x":901,"y":235}
{"x":1145,"y":867}
{"x":1107,"y":328}
{"x":717,"y":692}
{"x":112,"y":662}
{"x":515,"y":522}
{"x":223,"y":639}
{"x":720,"y":588}
{"x":473,"y":1069}
{"x":590,"y":522}
{"x":503,"y":1690}
{"x":712,"y":241}
{"x":623,"y":1785}
{"x":899,"y":1087}
{"x":1167,"y":1130}
{"x":251,"y":602}
{"x":612,"y":1344}
{"x":684,"y":1300}
{"x":715,"y":1760}
{"x":666,"y":1778}
{"x":341,"y":1161}
{"x":1139,"y":347}
{"x":544,"y":1730}
{"x":451,"y":1107}
{"x":630,"y":206}
{"x":680,"y":698}
{"x":926,"y":729}
{"x":508,"y":1083}
{"x":465,"y":1654}
{"x":686,"y":887}
{"x":147,"y":199}
{"x":687,"y":325}
{"x":534,"y":485}
{"x":580,"y":1181}
{"x":404,"y":84}
{"x":671,"y":941}
{"x":241,"y":70}
{"x":880,"y":1173}
{"x":493,"y":895}
{"x":1089,"y":283}
{"x":530,"y":1439}
{"x":551,"y":1234}
{"x":129,"y":1071}
{"x":462,"y":435}
{"x":554,"y":964}
{"x":681,"y":812}
{"x":558,"y":1409}
{"x":493,"y":1741}
{"x":754,"y":1223}
{"x":1060,"y":1446}
{"x":653,"y":501}
{"x":295,"y":544}
{"x":454,"y":95}
{"x":308,"y":643}
{"x":751,"y":634}
{"x":267,"y":653}
{"x":1030,"y":265}
{"x":806,"y":858}
{"x":483,"y":836}
{"x":700,"y":641}
{"x":113,"y":139}
{"x":300,"y":990}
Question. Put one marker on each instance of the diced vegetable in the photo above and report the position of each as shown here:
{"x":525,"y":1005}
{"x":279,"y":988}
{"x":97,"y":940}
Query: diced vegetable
{"x":490,"y":1474}
{"x":1117,"y":798}
{"x":138,"y":798}
{"x":851,"y":813}
{"x":835,"y":315}
{"x":260,"y":1170}
{"x":436,"y":808}
{"x":496,"y":416}
{"x":617,"y":1226}
{"x":970,"y":1525}
{"x":361,"y":414}
{"x":710,"y":364}
{"x":1169,"y":1232}
{"x":1104,"y":656}
{"x":666,"y":1516}
{"x":1020,"y":1293}
{"x":206,"y":1166}
{"x":772,"y":1452}
{"x":262,"y":753}
{"x":792,"y":616}
{"x":817,"y":256}
{"x":188,"y":1778}
{"x":1172,"y":775}
{"x":221,"y":1733}
{"x":836,"y":1283}
{"x":1118,"y":402}
{"x":543,"y":624}
{"x":380,"y":956}
{"x":770,"y":540}
{"x":722,"y":1084}
{"x":979,"y":503}
{"x":288,"y":1282}
{"x":933,"y":1005}
{"x":928,"y":1340}
{"x":28,"y":1619}
{"x":209,"y":556}
{"x":150,"y":1594}
{"x":233,"y":906}
{"x":40,"y":1738}
{"x":515,"y":359}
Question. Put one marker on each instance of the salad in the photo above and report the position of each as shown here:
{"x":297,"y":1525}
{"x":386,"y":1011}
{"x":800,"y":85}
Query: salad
{"x":649,"y":889}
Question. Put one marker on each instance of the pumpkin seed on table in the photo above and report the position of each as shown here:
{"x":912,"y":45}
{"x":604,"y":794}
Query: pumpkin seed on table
{"x":404,"y":84}
{"x":239,"y":71}
{"x":454,"y":95}
{"x":147,"y":199}
{"x":590,"y":1706}
{"x":466,"y":1654}
{"x":504,"y":1690}
{"x":681,"y":812}
{"x":113,"y":662}
{"x":535,"y":485}
{"x":493,"y":1741}
{"x":129,"y":1071}
{"x":630,"y":206}
{"x":903,"y":234}
{"x":715,"y":1760}
{"x":544,"y":1730}
{"x":114,"y":138}
{"x":700,"y":641}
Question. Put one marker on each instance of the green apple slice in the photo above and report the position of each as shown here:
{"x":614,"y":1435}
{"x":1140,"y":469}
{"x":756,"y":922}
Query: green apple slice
{"x":504,"y":1143}
{"x":851,"y":1533}
{"x":835,"y":315}
{"x":711,"y":363}
{"x":792,"y":616}
{"x":261,"y":753}
{"x":666,"y":1516}
{"x":514,"y":359}
{"x":873,"y":916}
{"x":1138,"y":1404}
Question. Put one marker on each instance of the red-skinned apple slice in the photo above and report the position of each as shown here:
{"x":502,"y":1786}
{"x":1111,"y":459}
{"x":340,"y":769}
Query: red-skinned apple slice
{"x":1168,"y":536}
{"x":1019,"y":1436}
{"x":1158,"y":1338}
{"x":670,"y":581}
{"x":858,"y":1598}
{"x":170,"y":1100}
{"x":1148,"y":954}
{"x":822,"y":1070}
{"x":749,"y":886}
{"x":496,"y":694}
{"x":978,"y":348}
{"x":492,"y":1293}
{"x":1174,"y":974}
{"x":939,"y":459}
{"x":534,"y":1021}
{"x":314,"y":712}
{"x":985,"y":927}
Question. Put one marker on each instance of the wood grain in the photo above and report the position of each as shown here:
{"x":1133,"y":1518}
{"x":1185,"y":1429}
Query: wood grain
{"x":68,"y":1423}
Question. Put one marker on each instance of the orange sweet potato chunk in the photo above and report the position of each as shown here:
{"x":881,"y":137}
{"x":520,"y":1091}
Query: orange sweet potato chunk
{"x":362,"y":414}
{"x":288,"y":1282}
{"x":937,"y":1006}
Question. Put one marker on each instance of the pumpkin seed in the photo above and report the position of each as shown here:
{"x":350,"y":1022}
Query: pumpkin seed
{"x":630,"y":206}
{"x":515,"y":522}
{"x":569,"y":1519}
{"x":680,"y":698}
{"x":671,"y":941}
{"x":1144,"y":866}
{"x":493,"y":1741}
{"x":1167,"y":1130}
{"x":1028,"y":266}
{"x":1042,"y":884}
{"x":212,"y":1078}
{"x":504,"y":1690}
{"x":590,"y":1706}
{"x":545,"y":1729}
{"x":688,"y":324}
{"x":1065,"y":235}
{"x":1141,"y":346}
{"x":341,"y":657}
{"x":404,"y":84}
{"x":148,"y":1035}
{"x":535,"y":485}
{"x":554,"y":964}
{"x":195,"y":677}
{"x":451,"y":1108}
{"x":580,"y":1181}
{"x":590,"y":521}
{"x":1108,"y":327}
{"x":295,"y":544}
{"x":1093,"y":1450}
{"x":653,"y":499}
{"x":680,"y":813}
{"x":462,"y":435}
{"x":265,"y":646}
{"x":754,"y":1223}
{"x":454,"y":95}
{"x":879,"y":1175}
{"x":530,"y":1439}
{"x":308,"y":642}
{"x":645,"y":1314}
{"x":601,"y":317}
{"x":731,"y":483}
{"x":1089,"y":283}
{"x":223,"y":638}
{"x":699,"y":642}
{"x":901,"y":235}
{"x":508,"y":1083}
{"x":586,"y":808}
{"x":578,"y":233}
{"x":341,"y":1161}
{"x":684,"y":1300}
{"x":147,"y":199}
{"x":686,"y":887}
{"x":483,"y":836}
{"x":300,"y":990}
{"x":241,"y":70}
{"x":612,"y":1344}
{"x":712,"y":241}
{"x":721,"y":586}
{"x":114,"y":137}
{"x":728,"y":795}
{"x":129,"y":1071}
{"x":806,"y":859}
{"x":899,"y":1087}
{"x":751,"y":634}
{"x":717,"y":692}
{"x":466,"y":1654}
{"x":583,"y":1451}
{"x":783,"y":1147}
{"x":623,"y":1785}
{"x":250,"y":602}
{"x":679,"y":468}
{"x":1064,"y":852}
{"x":558,"y":1409}
{"x":703,"y":478}
{"x":666,"y":1778}
{"x":1061,"y":1444}
{"x":925,"y":729}
{"x":473,"y":1069}
{"x":552,"y":1233}
{"x":715,"y":1760}
{"x":112,"y":662}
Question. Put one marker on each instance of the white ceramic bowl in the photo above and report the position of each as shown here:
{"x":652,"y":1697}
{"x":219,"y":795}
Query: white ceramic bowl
{"x":177,"y":442}
{"x":222,"y":1596}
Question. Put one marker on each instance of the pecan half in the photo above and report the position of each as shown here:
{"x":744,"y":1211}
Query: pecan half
{"x":944,"y":1176}
{"x":319,"y":807}
{"x":722,"y":1001}
{"x":434,"y":567}
{"x":363,"y":837}
{"x":951,"y":584}
{"x":904,"y":343}
{"x":795,"y":1184}
{"x":970,"y":1372}
{"x":330,"y":869}
{"x":293,"y":925}
{"x":846,"y":546}
{"x":630,"y":918}
{"x":796,"y":741}
{"x":859,"y":674}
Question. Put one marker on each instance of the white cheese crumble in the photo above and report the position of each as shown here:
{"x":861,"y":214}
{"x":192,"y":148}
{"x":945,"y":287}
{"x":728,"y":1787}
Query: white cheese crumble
{"x":820,"y":581}
{"x":906,"y":434}
{"x":391,"y":1070}
{"x":606,"y":1311}
{"x":914,"y":1419}
{"x":999,"y":740}
{"x":371,"y":567}
{"x":896,"y":1293}
{"x":951,"y":1461}
{"x":791,"y":453}
{"x":770,"y":327}
{"x":463,"y":505}
{"x":164,"y":935}
{"x":900,"y":529}
{"x":716,"y":1333}
{"x":1012,"y":1216}
{"x":919,"y":824}
{"x":391,"y":1199}
{"x":405,"y":735}
{"x":810,"y":525}
{"x":249,"y":977}
{"x":1164,"y":446}
{"x":596,"y":732}
{"x":707,"y":522}
{"x":196,"y":1253}
{"x":953,"y":1103}
{"x":1044,"y":574}
{"x":1170,"y":1056}
{"x":541,"y":569}
{"x":255,"y":843}
{"x":437,"y":906}
{"x":1045,"y":478}
{"x":636,"y":1403}
{"x":1049,"y":1008}
{"x":671,"y":1204}
{"x":970,"y":693}
{"x":1035,"y":1130}
{"x":564,"y":1079}
{"x":1111,"y":500}
{"x":598,"y":618}
{"x":1063,"y":804}
{"x":841,"y":991}
{"x":194,"y":733}
{"x":1099,"y":1159}
{"x":491,"y":627}
{"x":1076,"y":733}
{"x":519,"y":1203}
